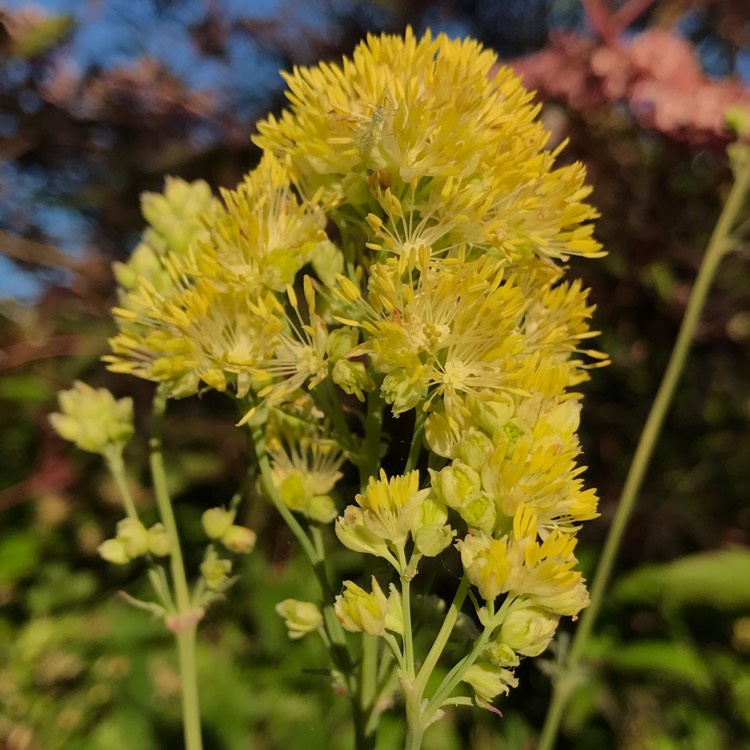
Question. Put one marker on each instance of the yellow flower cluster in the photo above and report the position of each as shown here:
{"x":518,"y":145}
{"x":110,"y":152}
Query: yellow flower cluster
{"x":401,"y":242}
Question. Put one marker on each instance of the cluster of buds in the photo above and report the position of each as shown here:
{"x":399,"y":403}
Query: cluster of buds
{"x":134,"y":540}
{"x":93,"y":419}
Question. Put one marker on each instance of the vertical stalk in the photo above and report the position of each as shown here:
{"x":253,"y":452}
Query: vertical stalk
{"x":191,"y":720}
{"x":369,"y":458}
{"x":117,"y":470}
{"x":719,"y":244}
{"x":186,"y":621}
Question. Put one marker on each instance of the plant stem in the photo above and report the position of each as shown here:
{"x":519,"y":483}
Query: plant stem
{"x":369,"y":458}
{"x":408,"y":635}
{"x":340,"y":648}
{"x":719,"y":244}
{"x":441,"y":639}
{"x":185,"y":632}
{"x":416,"y":440}
{"x":191,"y":719}
{"x":117,"y":470}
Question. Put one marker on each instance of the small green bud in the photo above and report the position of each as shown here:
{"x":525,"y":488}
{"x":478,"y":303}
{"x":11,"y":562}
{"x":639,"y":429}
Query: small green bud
{"x":456,"y":484}
{"x":340,"y":342}
{"x":295,"y":492}
{"x":239,"y":539}
{"x":480,"y":513}
{"x":402,"y":389}
{"x":133,"y":536}
{"x":321,"y":509}
{"x":327,"y":261}
{"x":528,"y":631}
{"x":113,"y":551}
{"x":474,"y":449}
{"x":216,"y":522}
{"x":215,"y":571}
{"x":159,"y":541}
{"x":300,"y":618}
{"x":352,"y":378}
{"x":432,"y":539}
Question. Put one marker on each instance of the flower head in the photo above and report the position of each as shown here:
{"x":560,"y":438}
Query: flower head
{"x":93,"y":419}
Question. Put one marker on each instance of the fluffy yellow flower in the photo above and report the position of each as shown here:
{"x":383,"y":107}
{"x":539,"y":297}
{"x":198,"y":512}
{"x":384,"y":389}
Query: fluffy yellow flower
{"x":426,"y":116}
{"x":541,"y":573}
{"x":305,"y":469}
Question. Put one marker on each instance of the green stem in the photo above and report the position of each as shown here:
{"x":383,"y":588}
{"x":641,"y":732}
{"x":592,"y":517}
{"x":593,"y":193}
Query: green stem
{"x":415,"y":727}
{"x":340,"y":648}
{"x":441,"y":639}
{"x":369,"y":458}
{"x":449,"y":682}
{"x":416,"y":440}
{"x":269,"y":487}
{"x":368,"y":672}
{"x":164,"y":504}
{"x":408,"y":635}
{"x":185,"y":630}
{"x":117,"y":470}
{"x":719,"y":244}
{"x":191,"y":719}
{"x":332,"y":408}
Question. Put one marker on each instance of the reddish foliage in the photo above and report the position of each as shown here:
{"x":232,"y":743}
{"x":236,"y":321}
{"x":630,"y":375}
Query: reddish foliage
{"x":657,"y":76}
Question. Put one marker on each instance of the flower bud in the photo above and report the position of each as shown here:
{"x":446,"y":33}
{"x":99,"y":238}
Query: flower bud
{"x":489,"y":681}
{"x":321,"y":509}
{"x":480,"y":513}
{"x":352,"y":533}
{"x":300,"y":618}
{"x":432,"y":539}
{"x":113,"y":551}
{"x":403,"y":389}
{"x":441,"y":433}
{"x":456,"y":484}
{"x":486,"y":563}
{"x":239,"y":539}
{"x":294,"y":492}
{"x":327,"y":261}
{"x":501,"y":655}
{"x":133,"y":536}
{"x":359,"y":611}
{"x":528,"y":631}
{"x":93,"y":419}
{"x":159,"y":541}
{"x":474,"y":448}
{"x":352,"y":378}
{"x":492,"y":415}
{"x":216,"y":522}
{"x":340,"y":342}
{"x":431,"y":535}
{"x":215,"y":571}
